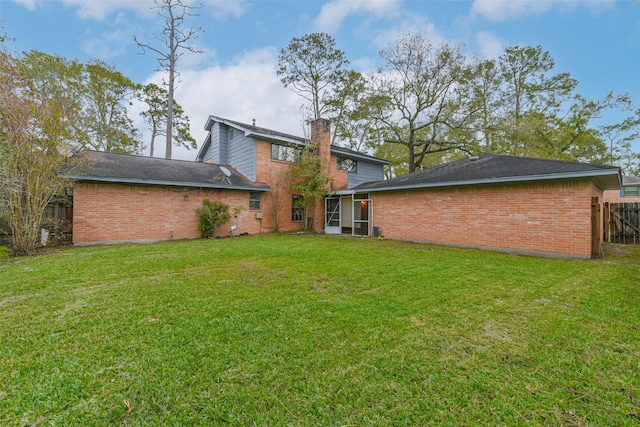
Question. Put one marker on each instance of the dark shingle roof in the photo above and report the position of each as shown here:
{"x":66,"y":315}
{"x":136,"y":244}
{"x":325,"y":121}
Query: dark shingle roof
{"x":100,"y":166}
{"x":492,"y":169}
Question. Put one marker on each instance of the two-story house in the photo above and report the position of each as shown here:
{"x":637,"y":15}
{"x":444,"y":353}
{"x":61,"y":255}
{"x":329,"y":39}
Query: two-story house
{"x":120,"y":197}
{"x":516,"y":204}
{"x":265,"y":156}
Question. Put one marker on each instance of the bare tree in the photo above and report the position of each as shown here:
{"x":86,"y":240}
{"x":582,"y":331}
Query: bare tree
{"x":175,"y":38}
{"x":34,"y":129}
{"x":419,"y":98}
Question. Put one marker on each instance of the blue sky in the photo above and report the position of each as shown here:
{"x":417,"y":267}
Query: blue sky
{"x":597,"y":41}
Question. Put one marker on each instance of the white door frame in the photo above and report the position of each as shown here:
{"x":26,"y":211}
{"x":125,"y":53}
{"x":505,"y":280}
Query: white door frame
{"x":330,"y":216}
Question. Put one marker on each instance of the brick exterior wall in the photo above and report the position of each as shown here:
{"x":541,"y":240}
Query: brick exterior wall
{"x":550,"y":218}
{"x":277,"y":203}
{"x":613,"y":196}
{"x":116,"y":212}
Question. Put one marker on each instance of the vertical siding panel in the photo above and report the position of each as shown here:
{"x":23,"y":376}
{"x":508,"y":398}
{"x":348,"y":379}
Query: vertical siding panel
{"x":366,"y":172}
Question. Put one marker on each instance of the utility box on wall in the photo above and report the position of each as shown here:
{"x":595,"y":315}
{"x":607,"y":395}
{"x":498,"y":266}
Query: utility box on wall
{"x":377,"y":231}
{"x":258,"y":215}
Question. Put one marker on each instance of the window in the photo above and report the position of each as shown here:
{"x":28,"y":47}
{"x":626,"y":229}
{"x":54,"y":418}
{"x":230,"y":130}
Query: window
{"x":284,"y":153}
{"x":630,"y":191}
{"x":348,"y":165}
{"x":254,"y":200}
{"x":297,"y":210}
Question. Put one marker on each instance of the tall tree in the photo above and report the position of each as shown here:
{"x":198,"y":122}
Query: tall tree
{"x":417,"y":96}
{"x":527,"y":87}
{"x":106,"y":122}
{"x":352,"y":126}
{"x":100,"y":95}
{"x":156,"y":117}
{"x":312,"y":66}
{"x":175,"y":37}
{"x":621,"y":137}
{"x":33,"y":128}
{"x":484,"y":92}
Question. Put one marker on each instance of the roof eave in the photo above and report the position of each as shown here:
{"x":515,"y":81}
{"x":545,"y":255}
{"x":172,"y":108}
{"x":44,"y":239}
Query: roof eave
{"x":592,"y":175}
{"x":359,"y":156}
{"x":111,"y":180}
{"x":274,"y":138}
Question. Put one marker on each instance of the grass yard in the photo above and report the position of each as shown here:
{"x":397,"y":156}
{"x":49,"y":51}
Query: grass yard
{"x":314,"y":330}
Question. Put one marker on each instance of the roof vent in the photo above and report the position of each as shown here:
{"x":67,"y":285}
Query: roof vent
{"x":474,"y":158}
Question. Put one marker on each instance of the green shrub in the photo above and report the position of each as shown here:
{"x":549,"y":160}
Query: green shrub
{"x":4,"y":254}
{"x":212,"y":215}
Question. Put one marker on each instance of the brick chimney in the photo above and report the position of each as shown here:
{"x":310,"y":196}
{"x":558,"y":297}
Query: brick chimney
{"x":321,"y":136}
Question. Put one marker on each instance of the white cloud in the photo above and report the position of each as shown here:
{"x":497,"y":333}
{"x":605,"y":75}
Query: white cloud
{"x":491,"y":46}
{"x":222,"y":9}
{"x":28,"y":4}
{"x":109,"y":44}
{"x":333,"y":13}
{"x":100,"y":9}
{"x":244,"y":90}
{"x":409,"y":24}
{"x":504,"y":10}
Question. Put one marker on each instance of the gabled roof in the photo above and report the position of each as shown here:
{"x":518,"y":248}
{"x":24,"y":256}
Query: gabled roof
{"x":98,"y":166}
{"x":252,"y":131}
{"x":496,"y":169}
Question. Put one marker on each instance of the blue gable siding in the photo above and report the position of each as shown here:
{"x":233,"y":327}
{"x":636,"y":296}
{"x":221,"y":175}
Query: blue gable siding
{"x":229,"y":146}
{"x":366,"y":172}
{"x":242,"y":154}
{"x":214,"y":149}
{"x":223,"y":141}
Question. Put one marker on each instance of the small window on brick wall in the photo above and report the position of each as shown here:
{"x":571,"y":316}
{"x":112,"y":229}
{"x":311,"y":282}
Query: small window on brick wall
{"x":297,"y":210}
{"x":630,"y":191}
{"x":254,"y":200}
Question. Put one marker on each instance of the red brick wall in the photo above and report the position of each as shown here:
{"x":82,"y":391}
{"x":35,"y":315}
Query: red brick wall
{"x":552,"y":218}
{"x":118,"y":212}
{"x":339,"y":179}
{"x":613,"y":196}
{"x":276,"y":204}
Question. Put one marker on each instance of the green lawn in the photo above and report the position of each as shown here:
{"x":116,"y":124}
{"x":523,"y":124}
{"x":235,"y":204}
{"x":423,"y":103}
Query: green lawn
{"x":315,"y":330}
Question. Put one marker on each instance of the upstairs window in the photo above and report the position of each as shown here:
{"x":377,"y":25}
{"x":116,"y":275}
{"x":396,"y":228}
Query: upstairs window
{"x":284,"y":153}
{"x":348,"y":165}
{"x":254,"y":200}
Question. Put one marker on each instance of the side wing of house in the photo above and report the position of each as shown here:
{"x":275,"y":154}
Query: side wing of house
{"x":118,"y":197}
{"x":525,"y":205}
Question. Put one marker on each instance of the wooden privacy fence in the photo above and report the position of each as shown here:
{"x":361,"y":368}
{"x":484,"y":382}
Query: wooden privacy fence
{"x":622,"y":223}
